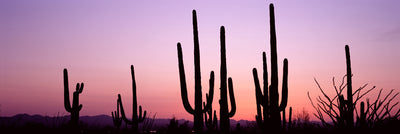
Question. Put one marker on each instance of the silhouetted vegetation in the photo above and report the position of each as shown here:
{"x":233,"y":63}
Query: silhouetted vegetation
{"x":225,"y":114}
{"x":198,"y":111}
{"x":117,"y":120}
{"x":76,"y":107}
{"x":270,"y":120}
{"x":136,"y":119}
{"x":336,"y":114}
{"x":341,"y":111}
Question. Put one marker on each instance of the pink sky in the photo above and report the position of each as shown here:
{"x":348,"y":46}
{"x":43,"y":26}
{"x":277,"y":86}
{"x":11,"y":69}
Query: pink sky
{"x":98,"y":41}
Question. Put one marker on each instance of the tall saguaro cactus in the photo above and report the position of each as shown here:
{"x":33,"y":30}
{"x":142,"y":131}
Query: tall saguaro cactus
{"x":198,"y":111}
{"x":76,"y":107}
{"x":136,"y":119}
{"x":270,"y":100}
{"x":225,"y":114}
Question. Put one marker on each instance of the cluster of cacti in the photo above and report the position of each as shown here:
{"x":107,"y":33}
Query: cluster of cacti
{"x":198,"y":110}
{"x":271,"y":117}
{"x":136,"y":119}
{"x":225,"y":114}
{"x":76,"y":107}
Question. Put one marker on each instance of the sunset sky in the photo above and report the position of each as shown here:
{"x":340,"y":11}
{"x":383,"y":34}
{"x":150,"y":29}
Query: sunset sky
{"x":98,"y":40}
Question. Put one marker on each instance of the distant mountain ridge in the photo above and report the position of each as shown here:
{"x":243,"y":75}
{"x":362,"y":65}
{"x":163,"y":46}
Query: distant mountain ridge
{"x":98,"y":121}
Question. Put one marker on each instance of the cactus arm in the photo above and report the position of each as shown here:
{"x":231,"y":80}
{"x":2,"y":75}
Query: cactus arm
{"x":210,"y":97}
{"x":140,"y":117}
{"x":113,"y":117}
{"x":182,"y":76}
{"x":67,"y":104}
{"x":232,"y":98}
{"x":265,"y":82}
{"x":205,"y":114}
{"x":259,"y":97}
{"x":75,"y":98}
{"x":79,"y":88}
{"x":284,"y":98}
{"x":122,"y":110}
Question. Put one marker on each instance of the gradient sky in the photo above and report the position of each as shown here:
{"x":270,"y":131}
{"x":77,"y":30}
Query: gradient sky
{"x":98,"y":41}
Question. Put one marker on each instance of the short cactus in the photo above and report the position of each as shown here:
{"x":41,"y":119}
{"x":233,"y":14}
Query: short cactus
{"x":117,"y":120}
{"x":76,"y":107}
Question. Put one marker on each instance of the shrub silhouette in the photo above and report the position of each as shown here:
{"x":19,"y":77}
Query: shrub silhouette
{"x":198,"y":111}
{"x":76,"y":107}
{"x":136,"y":119}
{"x":271,"y":107}
{"x":341,"y":111}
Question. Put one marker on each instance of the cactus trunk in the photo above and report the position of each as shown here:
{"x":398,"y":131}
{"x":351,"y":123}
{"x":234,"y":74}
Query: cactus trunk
{"x":350,"y":106}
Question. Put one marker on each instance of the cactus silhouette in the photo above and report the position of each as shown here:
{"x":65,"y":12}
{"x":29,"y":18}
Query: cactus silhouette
{"x":117,"y":120}
{"x":346,"y":107}
{"x":350,"y":106}
{"x":270,"y":99}
{"x":76,"y":107}
{"x":290,"y":118}
{"x":136,"y":119}
{"x":211,"y":121}
{"x":225,"y":114}
{"x":362,"y":120}
{"x":198,"y":111}
{"x":286,"y":125}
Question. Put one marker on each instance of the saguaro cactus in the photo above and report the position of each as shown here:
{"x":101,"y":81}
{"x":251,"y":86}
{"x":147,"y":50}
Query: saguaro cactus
{"x":350,"y":106}
{"x":225,"y":114}
{"x":346,"y":107}
{"x":117,"y":120}
{"x":198,"y":111}
{"x":76,"y":107}
{"x":211,"y":121}
{"x":269,"y":101}
{"x":136,"y":119}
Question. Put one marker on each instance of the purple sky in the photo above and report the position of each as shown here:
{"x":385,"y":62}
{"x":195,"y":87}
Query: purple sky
{"x":98,"y":40}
